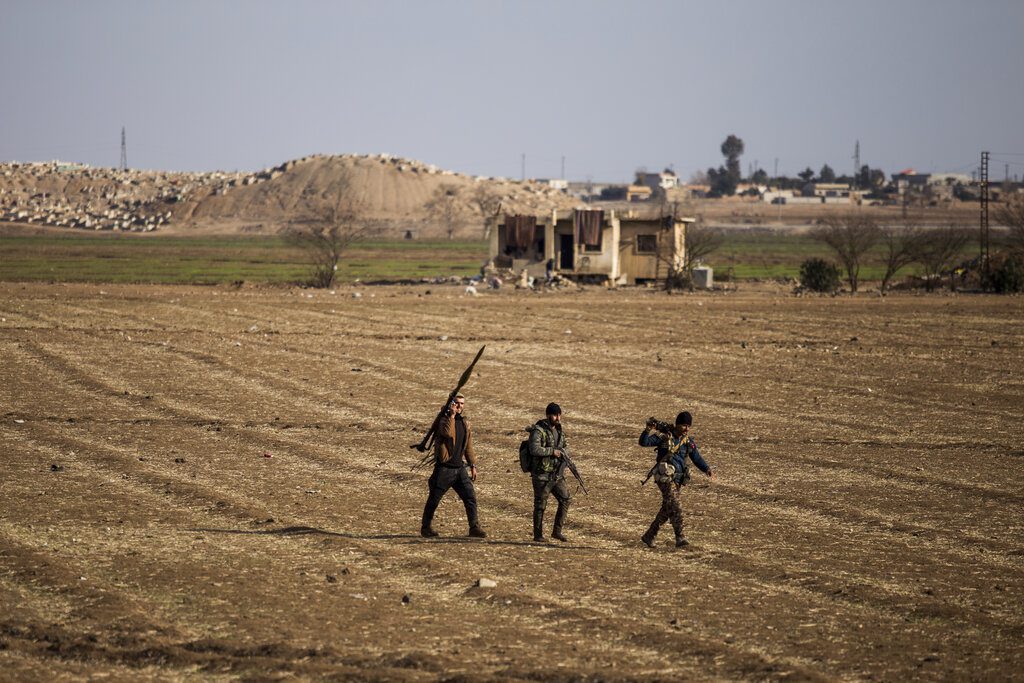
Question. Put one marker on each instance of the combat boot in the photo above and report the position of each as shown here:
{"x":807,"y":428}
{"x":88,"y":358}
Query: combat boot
{"x":681,"y":542}
{"x":559,"y":521}
{"x":476,"y":532}
{"x":427,"y":531}
{"x":538,"y":526}
{"x":648,"y":537}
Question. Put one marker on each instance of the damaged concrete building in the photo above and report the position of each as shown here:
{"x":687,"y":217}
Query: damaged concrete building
{"x":590,"y":245}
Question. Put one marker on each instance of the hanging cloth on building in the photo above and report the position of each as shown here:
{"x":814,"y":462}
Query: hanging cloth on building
{"x":520,"y":230}
{"x":588,"y":224}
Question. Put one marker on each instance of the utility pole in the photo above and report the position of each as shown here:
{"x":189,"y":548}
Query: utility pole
{"x":983,"y":238}
{"x":856,"y":164}
{"x":523,"y":177}
{"x":124,"y":151}
{"x":563,"y":167}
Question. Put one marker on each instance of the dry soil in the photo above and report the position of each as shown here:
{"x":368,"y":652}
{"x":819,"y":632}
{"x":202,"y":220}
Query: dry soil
{"x":205,"y":482}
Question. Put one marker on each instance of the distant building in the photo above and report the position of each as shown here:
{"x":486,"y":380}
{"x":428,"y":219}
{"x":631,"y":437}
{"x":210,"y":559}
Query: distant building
{"x":638,"y":193}
{"x":909,"y":178}
{"x":826,"y":190}
{"x":625,"y":249}
{"x":555,"y":183}
{"x":666,"y":180}
{"x":697,"y":190}
{"x":949,"y":179}
{"x":587,"y":190}
{"x":776,"y":196}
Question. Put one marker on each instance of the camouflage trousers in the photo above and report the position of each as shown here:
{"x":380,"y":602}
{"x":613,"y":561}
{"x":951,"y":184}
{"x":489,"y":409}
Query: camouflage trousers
{"x":670,"y":510}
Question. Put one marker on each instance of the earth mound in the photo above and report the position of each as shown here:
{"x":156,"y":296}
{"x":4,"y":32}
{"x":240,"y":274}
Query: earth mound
{"x":395,"y":192}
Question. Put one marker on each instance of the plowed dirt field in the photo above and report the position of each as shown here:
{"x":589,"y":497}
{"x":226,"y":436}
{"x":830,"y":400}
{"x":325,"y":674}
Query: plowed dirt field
{"x":206,"y":482}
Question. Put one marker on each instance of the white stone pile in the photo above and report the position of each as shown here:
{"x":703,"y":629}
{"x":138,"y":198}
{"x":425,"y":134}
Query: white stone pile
{"x":77,"y":196}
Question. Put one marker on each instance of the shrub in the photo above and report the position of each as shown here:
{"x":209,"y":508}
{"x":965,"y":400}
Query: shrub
{"x":1006,"y":274}
{"x":819,"y":275}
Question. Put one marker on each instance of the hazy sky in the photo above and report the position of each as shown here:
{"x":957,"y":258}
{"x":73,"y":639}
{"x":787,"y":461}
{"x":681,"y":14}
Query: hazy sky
{"x":470,"y":86}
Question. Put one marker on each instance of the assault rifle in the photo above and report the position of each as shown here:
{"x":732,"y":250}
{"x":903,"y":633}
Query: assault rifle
{"x":427,"y":443}
{"x":566,"y":462}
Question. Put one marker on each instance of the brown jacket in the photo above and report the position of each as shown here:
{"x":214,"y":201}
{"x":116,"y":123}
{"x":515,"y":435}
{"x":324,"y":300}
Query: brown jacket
{"x":445,"y":440}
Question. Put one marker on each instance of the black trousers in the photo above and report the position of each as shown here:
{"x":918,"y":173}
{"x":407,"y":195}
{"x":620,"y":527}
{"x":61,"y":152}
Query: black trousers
{"x":444,"y":478}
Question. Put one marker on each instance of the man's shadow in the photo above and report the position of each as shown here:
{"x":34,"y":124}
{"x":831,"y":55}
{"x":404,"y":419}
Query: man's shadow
{"x":407,"y":538}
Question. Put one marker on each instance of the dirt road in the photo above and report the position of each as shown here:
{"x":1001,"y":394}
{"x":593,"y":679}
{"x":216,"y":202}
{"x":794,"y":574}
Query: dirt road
{"x":203,"y":482}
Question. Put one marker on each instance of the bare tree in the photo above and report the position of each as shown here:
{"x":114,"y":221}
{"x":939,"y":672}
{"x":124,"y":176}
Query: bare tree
{"x":488,"y":203}
{"x":900,"y":250}
{"x":444,"y":208}
{"x":325,"y":228}
{"x":937,"y":250}
{"x":1011,"y":214}
{"x":699,"y":242}
{"x":851,"y":237}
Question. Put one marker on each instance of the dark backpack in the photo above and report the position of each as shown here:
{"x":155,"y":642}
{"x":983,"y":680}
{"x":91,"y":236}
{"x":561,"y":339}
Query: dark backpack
{"x":525,"y":459}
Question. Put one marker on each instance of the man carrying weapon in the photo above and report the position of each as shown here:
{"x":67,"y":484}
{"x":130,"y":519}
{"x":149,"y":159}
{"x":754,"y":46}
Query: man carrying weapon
{"x":450,"y":440}
{"x":453,"y":450}
{"x":671,"y":470}
{"x":550,"y":455}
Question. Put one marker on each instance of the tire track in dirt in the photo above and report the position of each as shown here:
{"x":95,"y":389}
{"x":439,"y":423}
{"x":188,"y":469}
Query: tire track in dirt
{"x":369,"y":319}
{"x":370,"y":473}
{"x":551,"y":599}
{"x":67,"y":645}
{"x":742,"y":408}
{"x":874,"y":523}
{"x":84,"y":445}
{"x":881,"y":604}
{"x":149,"y":485}
{"x":739,"y":407}
{"x":875,"y":520}
{"x":905,"y":477}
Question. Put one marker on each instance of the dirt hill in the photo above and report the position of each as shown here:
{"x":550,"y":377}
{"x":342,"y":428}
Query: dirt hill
{"x":394,"y":191}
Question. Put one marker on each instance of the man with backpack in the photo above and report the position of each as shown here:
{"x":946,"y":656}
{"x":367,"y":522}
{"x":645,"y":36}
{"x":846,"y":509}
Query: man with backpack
{"x":547,"y":446}
{"x":671,"y":470}
{"x":453,"y":451}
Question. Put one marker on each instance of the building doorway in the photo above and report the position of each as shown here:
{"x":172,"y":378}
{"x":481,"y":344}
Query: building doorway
{"x":566,"y":249}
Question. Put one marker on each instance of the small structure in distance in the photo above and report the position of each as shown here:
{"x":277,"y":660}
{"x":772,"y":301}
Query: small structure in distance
{"x":585,"y":245}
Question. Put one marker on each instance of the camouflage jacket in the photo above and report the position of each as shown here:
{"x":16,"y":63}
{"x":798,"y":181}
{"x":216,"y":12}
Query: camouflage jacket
{"x":544,"y":439}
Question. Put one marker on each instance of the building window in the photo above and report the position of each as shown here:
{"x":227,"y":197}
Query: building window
{"x":647,"y":244}
{"x":595,"y":248}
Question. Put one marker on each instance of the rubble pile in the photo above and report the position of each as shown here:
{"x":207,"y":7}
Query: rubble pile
{"x":78,"y":196}
{"x":392,"y":189}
